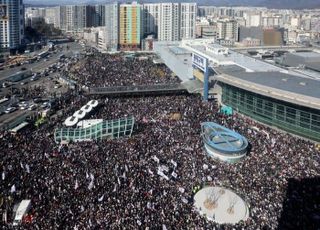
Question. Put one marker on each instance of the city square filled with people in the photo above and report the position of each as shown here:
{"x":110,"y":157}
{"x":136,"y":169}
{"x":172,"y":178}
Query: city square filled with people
{"x":103,"y":70}
{"x":114,"y":184}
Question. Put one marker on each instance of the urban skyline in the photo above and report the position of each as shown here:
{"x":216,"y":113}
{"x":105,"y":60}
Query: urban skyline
{"x":283,"y":4}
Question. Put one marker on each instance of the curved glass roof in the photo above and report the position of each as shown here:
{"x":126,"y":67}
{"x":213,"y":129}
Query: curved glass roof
{"x":222,"y":138}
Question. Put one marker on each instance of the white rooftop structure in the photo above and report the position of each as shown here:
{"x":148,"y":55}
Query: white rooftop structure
{"x":220,"y":55}
{"x":89,"y":123}
{"x":87,"y":108}
{"x":93,"y":103}
{"x":80,"y":114}
{"x":71,"y":121}
{"x":221,"y":205}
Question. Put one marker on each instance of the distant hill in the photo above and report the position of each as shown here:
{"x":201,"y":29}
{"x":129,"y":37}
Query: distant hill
{"x":275,"y":4}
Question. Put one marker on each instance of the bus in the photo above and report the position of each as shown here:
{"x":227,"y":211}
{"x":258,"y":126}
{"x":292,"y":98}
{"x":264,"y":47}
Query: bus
{"x":22,"y":210}
{"x":43,"y":54}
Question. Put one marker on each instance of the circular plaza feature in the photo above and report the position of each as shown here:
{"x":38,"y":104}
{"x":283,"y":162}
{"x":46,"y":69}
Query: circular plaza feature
{"x":223,"y":143}
{"x":221,"y":205}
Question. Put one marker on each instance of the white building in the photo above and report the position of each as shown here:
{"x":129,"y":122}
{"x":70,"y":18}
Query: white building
{"x":188,"y":20}
{"x":111,"y":23}
{"x":227,"y":29}
{"x":170,"y":21}
{"x":11,"y":23}
{"x":168,"y":29}
{"x":73,"y":18}
{"x":253,"y":19}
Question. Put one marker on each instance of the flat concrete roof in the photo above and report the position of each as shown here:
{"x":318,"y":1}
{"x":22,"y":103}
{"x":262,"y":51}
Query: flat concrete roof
{"x":282,"y":81}
{"x":282,"y":86}
{"x":242,"y":60}
{"x":307,"y":54}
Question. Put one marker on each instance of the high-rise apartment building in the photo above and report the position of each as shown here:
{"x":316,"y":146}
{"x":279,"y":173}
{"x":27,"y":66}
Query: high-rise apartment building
{"x":170,"y":21}
{"x":73,"y":18}
{"x":188,"y":14}
{"x":130,"y":26}
{"x":111,"y":25}
{"x":11,"y":23}
{"x":151,"y":18}
{"x":227,"y":29}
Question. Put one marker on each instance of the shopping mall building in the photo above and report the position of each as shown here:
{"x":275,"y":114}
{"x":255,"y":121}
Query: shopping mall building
{"x":280,"y":97}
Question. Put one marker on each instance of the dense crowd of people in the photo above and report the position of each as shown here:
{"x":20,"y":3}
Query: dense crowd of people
{"x":103,"y":70}
{"x":113,"y":184}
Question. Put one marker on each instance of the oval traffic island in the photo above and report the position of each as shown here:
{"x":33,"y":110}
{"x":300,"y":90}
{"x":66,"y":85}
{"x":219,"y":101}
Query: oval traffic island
{"x":223,"y":143}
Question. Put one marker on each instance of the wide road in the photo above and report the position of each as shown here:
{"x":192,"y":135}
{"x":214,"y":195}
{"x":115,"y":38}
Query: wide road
{"x":48,"y":82}
{"x":42,"y":64}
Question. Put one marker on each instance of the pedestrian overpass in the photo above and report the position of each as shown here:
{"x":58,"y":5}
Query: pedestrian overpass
{"x":157,"y":89}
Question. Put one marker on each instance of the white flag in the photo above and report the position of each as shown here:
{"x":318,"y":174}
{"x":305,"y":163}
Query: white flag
{"x":160,"y":173}
{"x":174,"y":174}
{"x":165,"y":168}
{"x":90,"y":186}
{"x":119,"y":182}
{"x":101,"y":198}
{"x":13,"y":189}
{"x":76,"y":186}
{"x":156,"y":159}
{"x":87,"y":175}
{"x":150,"y":171}
{"x":184,"y":200}
{"x":164,"y":227}
{"x":3,"y":176}
{"x":115,"y":188}
{"x":27,"y":168}
{"x":174,"y":163}
{"x":91,"y":176}
{"x":139,"y":222}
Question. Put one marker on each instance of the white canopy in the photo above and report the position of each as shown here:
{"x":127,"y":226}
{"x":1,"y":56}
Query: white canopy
{"x":71,"y":121}
{"x":93,"y":103}
{"x":87,"y":108}
{"x":80,"y":114}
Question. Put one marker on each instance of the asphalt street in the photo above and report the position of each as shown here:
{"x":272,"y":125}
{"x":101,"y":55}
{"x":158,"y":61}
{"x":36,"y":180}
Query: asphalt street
{"x":49,"y":83}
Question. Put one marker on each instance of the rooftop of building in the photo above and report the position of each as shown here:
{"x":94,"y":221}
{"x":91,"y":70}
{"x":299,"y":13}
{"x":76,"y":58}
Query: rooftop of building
{"x":278,"y":80}
{"x":249,"y":73}
{"x":229,"y":57}
{"x":307,"y":54}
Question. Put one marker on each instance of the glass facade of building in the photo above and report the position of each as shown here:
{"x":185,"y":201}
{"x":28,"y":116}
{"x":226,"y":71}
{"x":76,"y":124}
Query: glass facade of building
{"x":293,"y":118}
{"x":104,"y":130}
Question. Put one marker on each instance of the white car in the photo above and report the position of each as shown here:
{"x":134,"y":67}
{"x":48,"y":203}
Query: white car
{"x":10,"y":109}
{"x":23,"y":104}
{"x":32,"y":107}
